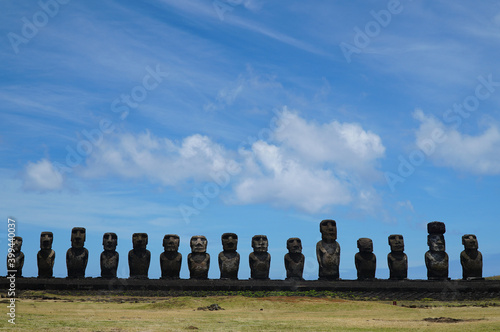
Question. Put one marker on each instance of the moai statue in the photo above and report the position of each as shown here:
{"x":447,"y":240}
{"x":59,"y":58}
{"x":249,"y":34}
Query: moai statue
{"x":436,"y":259}
{"x":109,"y":257}
{"x":294,"y":260}
{"x":139,"y":257}
{"x":397,"y":259}
{"x":229,"y":259}
{"x":198,"y":259}
{"x":170,"y":258}
{"x":471,"y":259}
{"x":46,"y":256}
{"x":365,"y":260}
{"x":77,"y":256}
{"x":328,"y":251}
{"x":15,"y":257}
{"x":260,"y":259}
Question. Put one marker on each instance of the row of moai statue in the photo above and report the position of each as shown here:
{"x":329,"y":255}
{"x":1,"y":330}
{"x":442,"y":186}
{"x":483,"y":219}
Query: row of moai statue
{"x":327,"y":252}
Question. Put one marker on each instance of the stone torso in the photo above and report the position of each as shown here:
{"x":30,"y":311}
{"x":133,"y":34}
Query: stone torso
{"x":76,"y":262}
{"x":198,"y":263}
{"x":138,"y":261}
{"x":328,"y":254}
{"x":398,"y":265}
{"x":229,"y":264}
{"x":294,"y":265}
{"x":45,"y":260}
{"x":472,"y":264}
{"x":17,"y":264}
{"x":366,"y":264}
{"x":437,"y":265}
{"x":170,"y":263}
{"x":259,"y":265}
{"x":109,"y":264}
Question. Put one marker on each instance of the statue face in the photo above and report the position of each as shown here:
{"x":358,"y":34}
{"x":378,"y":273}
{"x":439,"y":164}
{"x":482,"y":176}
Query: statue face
{"x":470,"y":241}
{"x":229,"y":241}
{"x":109,"y":241}
{"x":17,"y":244}
{"x":171,"y":242}
{"x":365,"y":245}
{"x":199,"y":243}
{"x":139,"y":240}
{"x":77,"y":237}
{"x":46,"y":240}
{"x":397,"y":243}
{"x":436,"y":242}
{"x":294,"y":245}
{"x":328,"y":229}
{"x":259,"y":243}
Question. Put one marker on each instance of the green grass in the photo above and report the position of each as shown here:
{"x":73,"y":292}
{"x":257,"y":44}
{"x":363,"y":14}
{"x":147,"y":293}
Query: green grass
{"x":243,"y":313}
{"x":493,"y":278}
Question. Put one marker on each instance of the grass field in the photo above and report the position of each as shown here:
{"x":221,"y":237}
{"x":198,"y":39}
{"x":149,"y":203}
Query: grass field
{"x":275,"y":313}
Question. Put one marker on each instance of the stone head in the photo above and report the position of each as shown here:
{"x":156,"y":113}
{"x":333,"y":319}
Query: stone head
{"x":109,"y":241}
{"x":171,"y":242}
{"x":294,"y":245}
{"x":470,"y":241}
{"x":18,"y":243}
{"x":436,"y":242}
{"x":397,"y":243}
{"x":328,"y":229}
{"x":77,"y":237}
{"x":259,"y":243}
{"x":229,"y":241}
{"x":365,"y":244}
{"x":139,"y":240}
{"x":46,"y":239}
{"x":198,"y":244}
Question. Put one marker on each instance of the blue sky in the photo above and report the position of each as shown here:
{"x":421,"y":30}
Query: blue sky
{"x":254,"y":117}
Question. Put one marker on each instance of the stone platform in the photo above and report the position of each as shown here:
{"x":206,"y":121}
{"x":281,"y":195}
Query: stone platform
{"x":377,"y":289}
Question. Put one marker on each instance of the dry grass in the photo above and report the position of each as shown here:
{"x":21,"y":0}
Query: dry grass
{"x":72,"y":313}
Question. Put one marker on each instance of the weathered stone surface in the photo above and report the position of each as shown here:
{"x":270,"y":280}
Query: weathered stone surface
{"x":328,"y":251}
{"x":198,"y":259}
{"x":229,"y":259}
{"x":259,"y":259}
{"x":294,"y":259}
{"x":170,"y":258}
{"x":77,"y":256}
{"x":471,"y":258}
{"x":15,"y":258}
{"x":139,"y":257}
{"x":365,"y":260}
{"x":436,"y":259}
{"x":397,"y":259}
{"x":109,"y":257}
{"x":46,"y":256}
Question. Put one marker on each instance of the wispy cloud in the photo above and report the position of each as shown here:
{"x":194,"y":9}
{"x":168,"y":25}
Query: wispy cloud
{"x":42,"y":176}
{"x":476,"y":154}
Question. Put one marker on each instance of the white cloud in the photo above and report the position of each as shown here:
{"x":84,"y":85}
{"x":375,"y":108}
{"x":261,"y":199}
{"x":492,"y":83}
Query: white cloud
{"x":287,"y":182}
{"x":158,"y":159}
{"x":345,"y":145}
{"x":304,"y":165}
{"x":477,"y":154}
{"x":311,"y":166}
{"x":42,"y":176}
